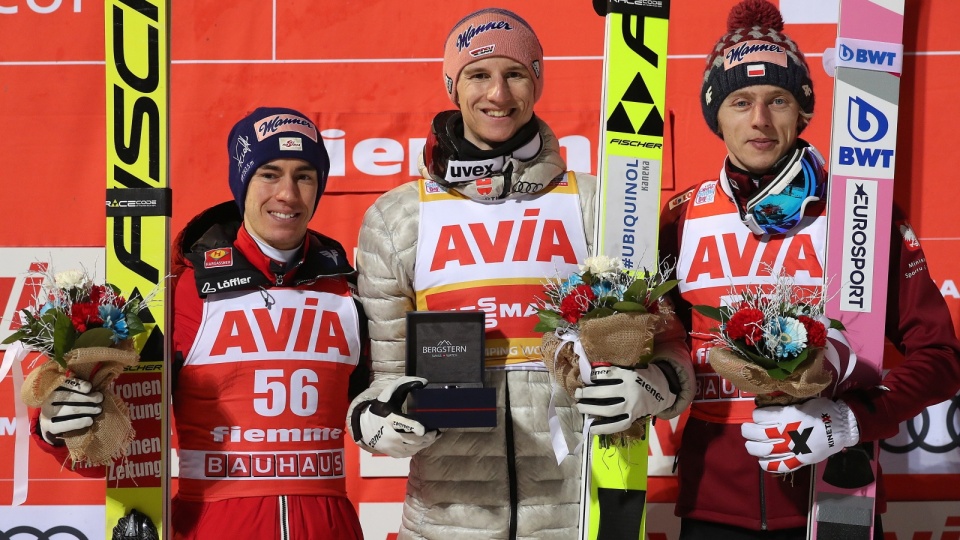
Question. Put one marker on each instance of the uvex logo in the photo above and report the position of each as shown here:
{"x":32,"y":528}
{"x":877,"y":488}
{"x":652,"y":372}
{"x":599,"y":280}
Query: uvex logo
{"x":463,"y":172}
{"x":253,"y":331}
{"x":471,"y":243}
{"x":724,"y":256}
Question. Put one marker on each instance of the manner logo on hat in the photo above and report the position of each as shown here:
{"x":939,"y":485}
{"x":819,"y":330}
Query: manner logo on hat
{"x":280,"y":123}
{"x":214,"y":258}
{"x":465,"y":37}
{"x":754,"y":51}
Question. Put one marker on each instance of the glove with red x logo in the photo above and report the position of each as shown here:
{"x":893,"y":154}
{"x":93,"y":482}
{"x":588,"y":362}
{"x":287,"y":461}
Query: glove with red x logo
{"x":787,"y":438}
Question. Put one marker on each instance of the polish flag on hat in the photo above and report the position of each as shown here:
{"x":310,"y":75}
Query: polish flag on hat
{"x":756,"y":70}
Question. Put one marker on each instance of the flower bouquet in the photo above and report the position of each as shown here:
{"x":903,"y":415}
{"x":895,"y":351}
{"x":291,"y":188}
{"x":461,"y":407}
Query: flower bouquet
{"x":602,"y":315}
{"x":85,"y":331}
{"x":771,"y":342}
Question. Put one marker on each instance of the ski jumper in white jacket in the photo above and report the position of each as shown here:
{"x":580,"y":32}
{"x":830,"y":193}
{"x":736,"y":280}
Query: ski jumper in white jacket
{"x":502,"y":482}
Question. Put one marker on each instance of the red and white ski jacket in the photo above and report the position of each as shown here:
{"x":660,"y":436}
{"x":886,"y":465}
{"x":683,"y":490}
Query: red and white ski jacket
{"x":719,"y":481}
{"x":267,"y":359}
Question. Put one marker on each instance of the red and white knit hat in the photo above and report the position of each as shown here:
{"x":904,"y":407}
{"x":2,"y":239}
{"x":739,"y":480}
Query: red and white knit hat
{"x":487,"y":33}
{"x":754,"y":51}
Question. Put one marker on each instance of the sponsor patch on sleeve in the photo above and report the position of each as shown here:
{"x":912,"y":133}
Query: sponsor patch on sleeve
{"x":909,"y":237}
{"x":680,"y":199}
{"x":215,"y":258}
{"x":706,"y":194}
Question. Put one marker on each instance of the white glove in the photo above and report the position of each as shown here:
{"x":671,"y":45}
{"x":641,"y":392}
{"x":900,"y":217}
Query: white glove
{"x":382,"y":426}
{"x":619,"y":396}
{"x":787,"y":438}
{"x":72,"y":406}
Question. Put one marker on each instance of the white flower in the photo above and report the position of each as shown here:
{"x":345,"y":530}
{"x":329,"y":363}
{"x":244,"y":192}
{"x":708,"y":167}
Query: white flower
{"x":71,"y":279}
{"x":601,"y":264}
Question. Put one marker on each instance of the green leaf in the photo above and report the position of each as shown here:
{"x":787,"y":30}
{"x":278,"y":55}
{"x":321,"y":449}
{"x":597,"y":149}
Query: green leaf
{"x":629,"y":307}
{"x":664,"y":288}
{"x":95,"y":337}
{"x":837,"y":325}
{"x":709,"y":311}
{"x":597,"y":313}
{"x":549,"y":321}
{"x":636,"y":292}
{"x":134,"y":325}
{"x":791,"y":365}
{"x":16,"y":336}
{"x":64,"y":336}
{"x":607,"y":301}
{"x":760,"y":360}
{"x":544,"y":327}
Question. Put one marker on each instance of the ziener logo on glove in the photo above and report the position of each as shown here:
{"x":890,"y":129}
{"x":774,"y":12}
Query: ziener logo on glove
{"x":372,"y":443}
{"x":649,"y":388}
{"x":400,"y":426}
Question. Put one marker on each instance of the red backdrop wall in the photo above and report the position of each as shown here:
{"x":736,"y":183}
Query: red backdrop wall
{"x":369,"y":75}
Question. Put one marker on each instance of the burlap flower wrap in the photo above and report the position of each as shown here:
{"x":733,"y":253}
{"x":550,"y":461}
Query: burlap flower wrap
{"x":623,"y":339}
{"x":808,"y":380}
{"x":112,"y":432}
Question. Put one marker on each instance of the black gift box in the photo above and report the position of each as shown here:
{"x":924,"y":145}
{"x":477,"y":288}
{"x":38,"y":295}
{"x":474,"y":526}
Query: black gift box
{"x":447,"y":349}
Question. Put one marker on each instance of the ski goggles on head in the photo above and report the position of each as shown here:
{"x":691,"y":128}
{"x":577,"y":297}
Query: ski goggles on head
{"x":779,"y":207}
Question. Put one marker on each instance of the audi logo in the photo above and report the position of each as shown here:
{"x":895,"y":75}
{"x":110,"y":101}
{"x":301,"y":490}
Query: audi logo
{"x":918,"y":438}
{"x":527,"y":187}
{"x":62,"y":532}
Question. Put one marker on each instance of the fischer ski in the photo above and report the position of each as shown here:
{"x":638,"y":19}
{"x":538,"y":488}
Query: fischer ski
{"x":613,"y":497}
{"x":868,"y":57}
{"x":138,"y":205}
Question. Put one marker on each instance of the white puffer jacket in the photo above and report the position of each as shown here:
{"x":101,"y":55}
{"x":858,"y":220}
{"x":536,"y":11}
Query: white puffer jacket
{"x":480,"y":484}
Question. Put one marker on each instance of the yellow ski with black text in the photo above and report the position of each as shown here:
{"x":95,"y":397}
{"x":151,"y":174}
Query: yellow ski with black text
{"x":613,"y":498}
{"x":137,"y":55}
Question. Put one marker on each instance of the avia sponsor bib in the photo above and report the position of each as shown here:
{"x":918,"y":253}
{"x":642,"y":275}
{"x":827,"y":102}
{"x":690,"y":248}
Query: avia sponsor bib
{"x":494,"y":257}
{"x":719,"y":251}
{"x":719,"y":258}
{"x":305,"y":325}
{"x":463,"y":240}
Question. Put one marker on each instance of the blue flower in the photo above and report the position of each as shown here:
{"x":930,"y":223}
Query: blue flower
{"x":604,"y":288}
{"x":568,"y":284}
{"x":786,"y":337}
{"x":114,"y":319}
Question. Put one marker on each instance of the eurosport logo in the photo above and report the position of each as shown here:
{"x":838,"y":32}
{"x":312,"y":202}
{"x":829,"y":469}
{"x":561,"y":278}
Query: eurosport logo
{"x":873,"y":55}
{"x":859,"y":239}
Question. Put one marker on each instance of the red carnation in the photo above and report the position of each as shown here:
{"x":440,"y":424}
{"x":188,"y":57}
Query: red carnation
{"x":576,"y":303}
{"x":746,"y":324}
{"x":96,"y":292}
{"x":816,"y":333}
{"x":83,"y":315}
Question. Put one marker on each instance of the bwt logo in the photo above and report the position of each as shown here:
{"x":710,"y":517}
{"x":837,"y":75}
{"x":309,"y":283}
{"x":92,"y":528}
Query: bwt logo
{"x":867,"y":56}
{"x":866,"y":124}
